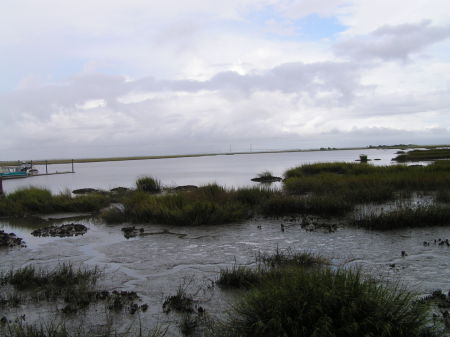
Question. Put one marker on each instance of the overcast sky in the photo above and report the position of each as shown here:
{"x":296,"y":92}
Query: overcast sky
{"x":140,"y":77}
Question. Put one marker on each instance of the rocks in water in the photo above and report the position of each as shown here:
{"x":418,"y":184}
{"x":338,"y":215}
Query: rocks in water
{"x":72,"y":229}
{"x":267,"y":179}
{"x":182,"y":188}
{"x":85,"y":191}
{"x":119,"y":189}
{"x":132,"y":231}
{"x":10,"y":240}
{"x":404,"y":253}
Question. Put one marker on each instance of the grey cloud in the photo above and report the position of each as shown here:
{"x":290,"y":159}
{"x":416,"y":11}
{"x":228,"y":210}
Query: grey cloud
{"x":393,"y":42}
{"x":300,"y":78}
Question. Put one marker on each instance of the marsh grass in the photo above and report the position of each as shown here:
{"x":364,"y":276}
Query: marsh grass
{"x":148,"y":184}
{"x":322,"y":302}
{"x":405,"y":217}
{"x":423,"y":155}
{"x":75,"y":286}
{"x":180,"y":302}
{"x":267,"y":265}
{"x":61,"y":329}
{"x":361,"y":183}
{"x":33,"y":200}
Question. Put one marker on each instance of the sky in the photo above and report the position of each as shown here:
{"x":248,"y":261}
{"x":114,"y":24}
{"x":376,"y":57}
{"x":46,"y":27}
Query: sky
{"x":104,"y":78}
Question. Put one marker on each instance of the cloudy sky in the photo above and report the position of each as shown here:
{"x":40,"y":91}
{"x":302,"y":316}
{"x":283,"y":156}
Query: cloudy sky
{"x":140,"y":77}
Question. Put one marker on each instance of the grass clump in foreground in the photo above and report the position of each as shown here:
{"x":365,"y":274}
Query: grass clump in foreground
{"x":61,"y":330}
{"x":74,"y":285}
{"x":148,"y":184}
{"x":304,"y":302}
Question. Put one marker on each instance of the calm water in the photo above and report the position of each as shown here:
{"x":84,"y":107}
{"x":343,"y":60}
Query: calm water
{"x":227,"y":170}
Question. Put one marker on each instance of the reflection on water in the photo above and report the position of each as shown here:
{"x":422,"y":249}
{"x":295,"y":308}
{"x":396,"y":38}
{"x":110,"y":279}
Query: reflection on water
{"x":231,"y":171}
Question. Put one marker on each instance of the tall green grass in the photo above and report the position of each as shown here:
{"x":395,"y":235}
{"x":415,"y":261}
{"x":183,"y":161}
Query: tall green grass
{"x":405,"y":217}
{"x":323,"y":302}
{"x":34,"y":200}
{"x":424,"y":155}
{"x":148,"y":184}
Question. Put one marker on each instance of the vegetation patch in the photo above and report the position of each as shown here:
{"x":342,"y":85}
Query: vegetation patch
{"x":423,"y":155}
{"x":34,"y":200}
{"x":405,"y":217}
{"x":180,"y":302}
{"x":148,"y":184}
{"x":297,"y":301}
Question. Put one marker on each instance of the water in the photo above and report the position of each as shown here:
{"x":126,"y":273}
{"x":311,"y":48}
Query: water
{"x":227,"y":170}
{"x":156,"y":263}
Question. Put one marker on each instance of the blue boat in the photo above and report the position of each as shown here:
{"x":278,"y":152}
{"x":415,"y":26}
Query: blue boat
{"x":19,"y":171}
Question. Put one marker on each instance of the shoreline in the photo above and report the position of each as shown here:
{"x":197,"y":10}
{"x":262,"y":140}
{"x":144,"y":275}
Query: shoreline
{"x":129,"y":158}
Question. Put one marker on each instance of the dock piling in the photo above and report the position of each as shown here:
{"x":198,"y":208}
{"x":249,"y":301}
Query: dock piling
{"x":46,"y":167}
{"x":73,"y":171}
{"x":1,"y":187}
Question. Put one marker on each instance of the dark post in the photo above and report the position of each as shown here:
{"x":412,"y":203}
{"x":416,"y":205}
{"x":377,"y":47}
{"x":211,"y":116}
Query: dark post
{"x":72,"y":167}
{"x":1,"y":186}
{"x":31,"y":163}
{"x":46,"y":168}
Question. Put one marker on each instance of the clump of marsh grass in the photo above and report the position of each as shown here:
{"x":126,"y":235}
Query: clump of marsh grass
{"x":405,"y":217}
{"x":307,"y":302}
{"x":289,"y":257}
{"x":266,"y":266}
{"x":148,"y":184}
{"x":180,"y":302}
{"x":73,"y":285}
{"x":34,"y":200}
{"x":239,"y":277}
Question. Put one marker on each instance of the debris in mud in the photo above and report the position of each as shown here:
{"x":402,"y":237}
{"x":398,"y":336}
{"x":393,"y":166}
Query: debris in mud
{"x":72,"y":229}
{"x":10,"y":240}
{"x":85,"y":191}
{"x":312,"y":225}
{"x":131,"y":232}
{"x":438,"y":242}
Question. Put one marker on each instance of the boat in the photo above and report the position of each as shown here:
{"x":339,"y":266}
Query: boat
{"x":22,"y":170}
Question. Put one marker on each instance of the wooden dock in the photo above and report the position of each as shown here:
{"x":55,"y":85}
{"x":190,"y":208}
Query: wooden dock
{"x":49,"y":173}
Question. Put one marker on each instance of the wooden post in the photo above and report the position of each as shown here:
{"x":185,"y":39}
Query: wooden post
{"x":31,"y":162}
{"x":46,"y":168}
{"x":72,"y":167}
{"x":1,"y":186}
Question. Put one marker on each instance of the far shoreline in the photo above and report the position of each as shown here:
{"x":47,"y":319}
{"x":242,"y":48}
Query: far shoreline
{"x":112,"y":159}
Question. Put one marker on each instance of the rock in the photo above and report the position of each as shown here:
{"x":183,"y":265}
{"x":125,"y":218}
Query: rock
{"x":10,"y":240}
{"x":133,"y":308}
{"x":131,"y":232}
{"x":119,"y":189}
{"x":85,"y":191}
{"x":72,"y":229}
{"x":269,"y":179}
{"x":184,"y":188}
{"x":144,"y":307}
